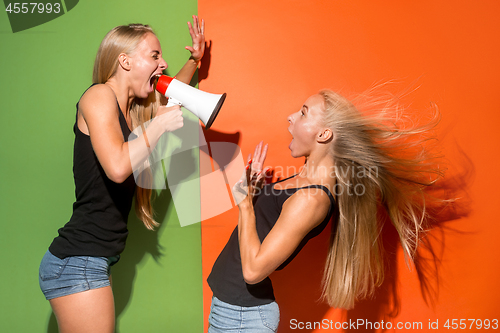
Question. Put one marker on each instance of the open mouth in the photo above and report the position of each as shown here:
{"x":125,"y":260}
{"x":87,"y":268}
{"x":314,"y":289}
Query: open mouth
{"x":153,"y":80}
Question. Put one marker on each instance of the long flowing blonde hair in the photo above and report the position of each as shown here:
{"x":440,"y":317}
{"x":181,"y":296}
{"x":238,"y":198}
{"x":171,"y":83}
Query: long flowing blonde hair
{"x":125,"y":39}
{"x":381,"y":163}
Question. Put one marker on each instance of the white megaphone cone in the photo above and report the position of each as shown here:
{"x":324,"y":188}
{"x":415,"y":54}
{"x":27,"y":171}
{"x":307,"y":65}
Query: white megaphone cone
{"x":203,"y":105}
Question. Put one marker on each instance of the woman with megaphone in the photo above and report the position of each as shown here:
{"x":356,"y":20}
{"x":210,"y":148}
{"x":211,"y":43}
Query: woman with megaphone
{"x":75,"y":271}
{"x":352,"y":169}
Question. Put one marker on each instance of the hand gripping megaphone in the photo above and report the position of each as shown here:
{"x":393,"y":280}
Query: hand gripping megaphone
{"x":203,"y":105}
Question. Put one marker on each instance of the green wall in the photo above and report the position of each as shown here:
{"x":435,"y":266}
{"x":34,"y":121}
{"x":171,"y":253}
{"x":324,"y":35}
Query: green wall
{"x":43,"y":72}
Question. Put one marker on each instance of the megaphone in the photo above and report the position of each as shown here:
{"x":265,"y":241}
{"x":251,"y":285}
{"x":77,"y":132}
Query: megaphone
{"x":204,"y":105}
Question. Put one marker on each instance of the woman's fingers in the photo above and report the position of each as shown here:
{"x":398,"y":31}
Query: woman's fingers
{"x":173,"y":117}
{"x":199,"y":28}
{"x":263,"y":154}
{"x":256,"y":153}
{"x":259,"y":156}
{"x":254,"y":173}
{"x":198,"y":38}
{"x":195,"y":24}
{"x":195,"y":28}
{"x":249,"y":169}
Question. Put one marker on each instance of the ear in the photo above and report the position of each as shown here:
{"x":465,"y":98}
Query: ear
{"x":325,"y":135}
{"x":124,"y":61}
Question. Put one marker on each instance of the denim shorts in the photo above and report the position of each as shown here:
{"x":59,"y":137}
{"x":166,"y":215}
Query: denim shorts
{"x":226,"y":317}
{"x":61,"y":277}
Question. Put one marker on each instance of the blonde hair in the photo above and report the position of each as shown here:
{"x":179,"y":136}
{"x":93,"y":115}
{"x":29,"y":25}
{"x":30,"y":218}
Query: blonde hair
{"x":390,"y":167}
{"x":125,"y":39}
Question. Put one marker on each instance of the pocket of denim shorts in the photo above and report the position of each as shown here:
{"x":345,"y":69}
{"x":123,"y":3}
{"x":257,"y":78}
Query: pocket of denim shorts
{"x":270,"y":315}
{"x":51,"y":267}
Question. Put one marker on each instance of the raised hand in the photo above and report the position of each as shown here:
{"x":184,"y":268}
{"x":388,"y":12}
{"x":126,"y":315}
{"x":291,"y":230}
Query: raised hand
{"x":255,"y":174}
{"x":197,"y":32}
{"x":253,"y":177}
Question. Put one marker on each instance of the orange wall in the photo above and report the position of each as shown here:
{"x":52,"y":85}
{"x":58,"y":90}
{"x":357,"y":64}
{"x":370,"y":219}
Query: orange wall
{"x":269,"y":56}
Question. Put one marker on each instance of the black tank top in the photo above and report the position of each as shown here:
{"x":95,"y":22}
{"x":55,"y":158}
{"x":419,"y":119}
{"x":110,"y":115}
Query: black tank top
{"x":98,"y":225}
{"x":226,"y":279}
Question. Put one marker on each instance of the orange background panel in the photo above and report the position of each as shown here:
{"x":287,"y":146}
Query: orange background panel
{"x":269,"y":56}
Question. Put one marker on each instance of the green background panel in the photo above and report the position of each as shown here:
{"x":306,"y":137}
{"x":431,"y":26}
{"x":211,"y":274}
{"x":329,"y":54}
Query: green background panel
{"x":44,"y":70}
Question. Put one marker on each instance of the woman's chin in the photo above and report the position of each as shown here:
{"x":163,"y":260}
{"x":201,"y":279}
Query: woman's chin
{"x":293,"y":152}
{"x":145,"y":94}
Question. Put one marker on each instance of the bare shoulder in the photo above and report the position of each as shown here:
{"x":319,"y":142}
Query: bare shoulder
{"x":98,"y":97}
{"x":310,"y":204}
{"x":98,"y":112}
{"x":312,"y":196}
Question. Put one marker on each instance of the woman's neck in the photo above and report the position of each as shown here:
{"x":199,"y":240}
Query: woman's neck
{"x":318,"y":169}
{"x":122,"y":94}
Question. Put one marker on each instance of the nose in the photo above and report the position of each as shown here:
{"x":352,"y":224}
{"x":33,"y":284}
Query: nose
{"x":163,"y":64}
{"x":290,"y":118}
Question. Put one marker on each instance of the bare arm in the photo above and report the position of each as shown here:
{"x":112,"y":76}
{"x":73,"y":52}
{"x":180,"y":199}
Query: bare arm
{"x":303,"y":211}
{"x":98,"y":109}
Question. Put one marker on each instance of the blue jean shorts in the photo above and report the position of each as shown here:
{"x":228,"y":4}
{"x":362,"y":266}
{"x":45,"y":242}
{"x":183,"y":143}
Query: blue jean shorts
{"x":61,"y":277}
{"x":230,"y":318}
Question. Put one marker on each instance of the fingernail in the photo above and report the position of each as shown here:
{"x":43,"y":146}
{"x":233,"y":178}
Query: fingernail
{"x":250,"y":162}
{"x":247,"y":167}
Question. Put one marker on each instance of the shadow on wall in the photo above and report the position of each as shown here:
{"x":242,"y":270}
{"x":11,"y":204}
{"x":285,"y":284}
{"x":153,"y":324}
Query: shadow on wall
{"x":298,"y":286}
{"x":52,"y":327}
{"x":139,"y":243}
